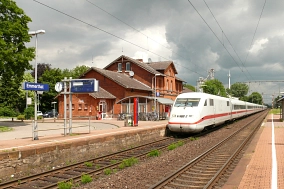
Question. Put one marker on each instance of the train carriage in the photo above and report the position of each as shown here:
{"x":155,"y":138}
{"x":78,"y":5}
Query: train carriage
{"x":193,"y":112}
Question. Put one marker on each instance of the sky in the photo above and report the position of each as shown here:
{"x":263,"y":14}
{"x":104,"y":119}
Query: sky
{"x":240,"y":37}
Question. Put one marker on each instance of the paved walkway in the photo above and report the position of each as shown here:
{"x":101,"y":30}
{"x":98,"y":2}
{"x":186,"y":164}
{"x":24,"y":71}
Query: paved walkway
{"x":262,"y":166}
{"x":21,"y":136}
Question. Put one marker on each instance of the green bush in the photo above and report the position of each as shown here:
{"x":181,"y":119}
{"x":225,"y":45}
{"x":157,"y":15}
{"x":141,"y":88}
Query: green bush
{"x":29,"y":113}
{"x":7,"y":112}
{"x":21,"y":117}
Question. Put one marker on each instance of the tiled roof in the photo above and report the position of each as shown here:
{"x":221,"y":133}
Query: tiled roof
{"x":123,"y":79}
{"x":143,"y":65}
{"x":161,"y":65}
{"x":102,"y":94}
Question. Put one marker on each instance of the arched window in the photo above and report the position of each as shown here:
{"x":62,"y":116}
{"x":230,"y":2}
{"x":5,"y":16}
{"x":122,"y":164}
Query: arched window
{"x":167,"y":85}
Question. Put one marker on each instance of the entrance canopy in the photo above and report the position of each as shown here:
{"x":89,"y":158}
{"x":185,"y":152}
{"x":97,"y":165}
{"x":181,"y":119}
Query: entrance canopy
{"x":164,"y":101}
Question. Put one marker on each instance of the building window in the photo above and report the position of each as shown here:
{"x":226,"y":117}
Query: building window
{"x":167,"y":85}
{"x":171,"y":86}
{"x":86,"y":106}
{"x":80,"y":106}
{"x":127,"y":66}
{"x":119,"y":67}
{"x":160,"y":83}
{"x":73,"y":106}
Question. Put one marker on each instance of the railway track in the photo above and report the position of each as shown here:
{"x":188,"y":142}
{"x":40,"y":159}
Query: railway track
{"x":50,"y":179}
{"x":206,"y":170}
{"x":94,"y":167}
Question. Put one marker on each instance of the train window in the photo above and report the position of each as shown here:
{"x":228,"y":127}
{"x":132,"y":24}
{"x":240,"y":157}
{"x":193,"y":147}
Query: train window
{"x":228,"y":103}
{"x":211,"y":102}
{"x":205,"y":103}
{"x":187,"y":102}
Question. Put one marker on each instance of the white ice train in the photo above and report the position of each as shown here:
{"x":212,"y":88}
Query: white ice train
{"x":194,"y":111}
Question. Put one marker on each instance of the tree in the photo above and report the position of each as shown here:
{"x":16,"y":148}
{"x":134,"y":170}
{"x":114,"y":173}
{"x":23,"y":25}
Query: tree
{"x":190,"y":87}
{"x":255,"y":97}
{"x":50,"y":77}
{"x":214,"y":87}
{"x":14,"y":55}
{"x":53,"y":75}
{"x":238,"y":90}
{"x":25,"y":93}
{"x":41,"y":68}
{"x":78,"y":71}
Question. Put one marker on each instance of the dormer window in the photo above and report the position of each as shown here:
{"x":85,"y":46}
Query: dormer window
{"x":119,"y":67}
{"x":128,"y":66}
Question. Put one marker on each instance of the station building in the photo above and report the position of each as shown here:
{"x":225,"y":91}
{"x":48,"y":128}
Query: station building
{"x":154,"y":84}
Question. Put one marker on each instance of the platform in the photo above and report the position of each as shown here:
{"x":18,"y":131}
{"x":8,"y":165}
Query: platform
{"x":21,"y":136}
{"x":262,"y":166}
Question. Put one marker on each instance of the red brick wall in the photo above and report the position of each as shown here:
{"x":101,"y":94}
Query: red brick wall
{"x":83,"y":105}
{"x":120,"y":92}
{"x":139,"y":73}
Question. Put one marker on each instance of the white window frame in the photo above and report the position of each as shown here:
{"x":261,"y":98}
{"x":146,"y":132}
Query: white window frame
{"x":119,"y":67}
{"x":127,"y":67}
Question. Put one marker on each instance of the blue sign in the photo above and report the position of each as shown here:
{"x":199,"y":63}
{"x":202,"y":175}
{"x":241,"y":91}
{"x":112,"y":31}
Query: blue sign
{"x":84,"y":86}
{"x":35,"y":86}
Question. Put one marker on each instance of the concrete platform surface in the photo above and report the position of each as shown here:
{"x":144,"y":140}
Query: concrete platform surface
{"x":49,"y":131}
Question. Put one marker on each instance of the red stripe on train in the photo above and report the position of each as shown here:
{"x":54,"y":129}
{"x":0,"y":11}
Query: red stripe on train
{"x":211,"y":117}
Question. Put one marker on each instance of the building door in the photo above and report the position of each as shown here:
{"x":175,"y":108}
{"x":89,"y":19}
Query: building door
{"x":103,"y":108}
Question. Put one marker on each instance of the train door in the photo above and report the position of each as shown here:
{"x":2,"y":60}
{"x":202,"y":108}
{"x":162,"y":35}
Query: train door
{"x":229,"y":104}
{"x":212,"y":110}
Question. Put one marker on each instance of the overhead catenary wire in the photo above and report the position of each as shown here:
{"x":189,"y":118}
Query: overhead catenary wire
{"x":109,"y":33}
{"x":137,"y":30}
{"x":223,"y":33}
{"x":216,"y":37}
{"x":226,"y":36}
{"x":255,"y":30}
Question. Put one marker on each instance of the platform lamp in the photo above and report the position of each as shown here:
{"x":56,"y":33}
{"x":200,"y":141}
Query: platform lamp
{"x":35,"y":33}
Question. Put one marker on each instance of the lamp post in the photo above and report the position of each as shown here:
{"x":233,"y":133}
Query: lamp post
{"x":35,"y":33}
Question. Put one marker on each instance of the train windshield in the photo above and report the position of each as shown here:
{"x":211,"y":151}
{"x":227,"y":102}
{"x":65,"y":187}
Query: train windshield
{"x":187,"y":102}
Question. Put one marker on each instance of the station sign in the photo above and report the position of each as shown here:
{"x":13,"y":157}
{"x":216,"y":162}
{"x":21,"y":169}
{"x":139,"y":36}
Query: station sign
{"x":84,"y":86}
{"x":35,"y":86}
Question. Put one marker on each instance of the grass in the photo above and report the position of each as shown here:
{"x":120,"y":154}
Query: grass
{"x":65,"y":185}
{"x":274,"y":111}
{"x":154,"y":153}
{"x":5,"y":129}
{"x":128,"y":162}
{"x":89,"y":164}
{"x":175,"y":145}
{"x":86,"y":179}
